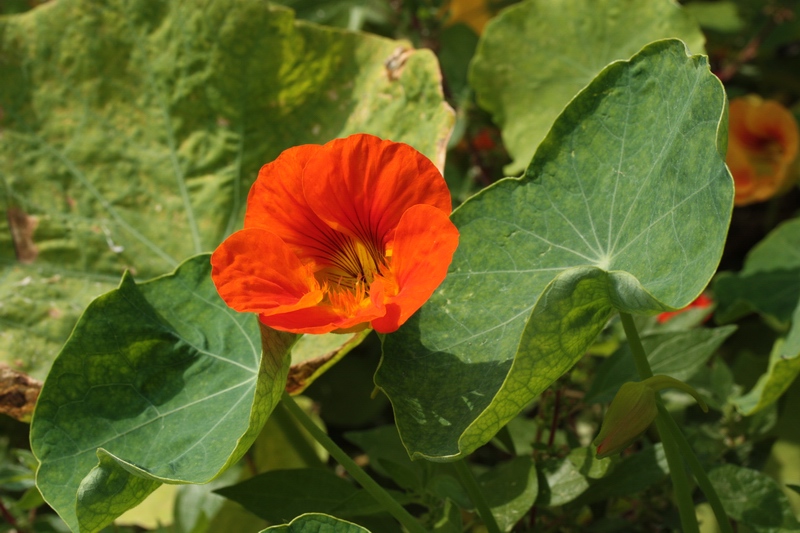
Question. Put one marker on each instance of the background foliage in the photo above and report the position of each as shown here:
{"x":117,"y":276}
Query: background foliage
{"x":130,"y":133}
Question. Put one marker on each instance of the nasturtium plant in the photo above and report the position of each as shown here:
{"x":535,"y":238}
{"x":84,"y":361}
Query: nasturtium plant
{"x":132,"y":131}
{"x":553,"y":371}
{"x":625,"y":205}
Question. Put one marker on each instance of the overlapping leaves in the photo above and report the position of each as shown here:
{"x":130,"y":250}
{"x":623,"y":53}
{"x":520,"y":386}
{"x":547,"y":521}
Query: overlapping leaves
{"x":535,"y":56}
{"x":625,"y":205}
{"x":132,"y":130}
{"x":769,"y":284}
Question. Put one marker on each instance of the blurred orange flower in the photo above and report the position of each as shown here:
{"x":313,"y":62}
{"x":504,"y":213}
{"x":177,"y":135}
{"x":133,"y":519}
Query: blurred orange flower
{"x":473,"y":13}
{"x":339,"y":237}
{"x":762,"y":148}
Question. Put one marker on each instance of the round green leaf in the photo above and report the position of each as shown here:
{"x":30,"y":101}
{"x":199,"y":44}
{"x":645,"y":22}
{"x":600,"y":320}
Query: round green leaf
{"x":535,"y":56}
{"x":317,"y":523}
{"x":625,"y":206}
{"x":159,"y":382}
{"x":133,"y":129}
{"x":753,"y":498}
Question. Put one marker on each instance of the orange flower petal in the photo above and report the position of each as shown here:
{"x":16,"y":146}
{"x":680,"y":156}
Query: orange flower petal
{"x":362,"y":185}
{"x":424,"y":244}
{"x":324,"y":319}
{"x":256,"y":272}
{"x":277,"y":204}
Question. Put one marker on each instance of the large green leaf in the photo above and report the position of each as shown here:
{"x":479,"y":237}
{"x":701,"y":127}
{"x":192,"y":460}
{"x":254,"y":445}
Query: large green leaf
{"x":625,"y":206}
{"x":132,"y":130}
{"x":534,"y":57}
{"x":159,"y":382}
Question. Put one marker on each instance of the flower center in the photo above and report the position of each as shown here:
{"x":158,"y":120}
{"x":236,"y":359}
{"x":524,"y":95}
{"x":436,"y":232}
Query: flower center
{"x":352,"y":268}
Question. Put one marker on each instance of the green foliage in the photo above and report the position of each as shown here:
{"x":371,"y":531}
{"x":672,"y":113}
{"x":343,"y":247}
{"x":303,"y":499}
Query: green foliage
{"x":754,"y":499}
{"x":280,"y":495}
{"x":544,"y":260}
{"x":556,"y":49}
{"x":768,"y":284}
{"x":679,"y":355}
{"x":132,"y":131}
{"x":138,"y":369}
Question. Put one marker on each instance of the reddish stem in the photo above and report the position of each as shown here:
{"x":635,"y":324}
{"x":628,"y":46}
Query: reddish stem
{"x":8,"y":516}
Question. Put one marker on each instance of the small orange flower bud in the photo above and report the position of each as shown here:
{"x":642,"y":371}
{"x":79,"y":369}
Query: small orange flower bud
{"x":632,"y":410}
{"x":763,"y":142}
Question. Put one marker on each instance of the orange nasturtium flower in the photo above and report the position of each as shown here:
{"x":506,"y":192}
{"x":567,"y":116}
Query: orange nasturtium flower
{"x":339,"y":237}
{"x":763,"y":142}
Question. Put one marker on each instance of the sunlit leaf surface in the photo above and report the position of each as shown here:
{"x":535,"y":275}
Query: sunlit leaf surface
{"x":625,"y":206}
{"x":535,"y":56}
{"x":133,"y":129}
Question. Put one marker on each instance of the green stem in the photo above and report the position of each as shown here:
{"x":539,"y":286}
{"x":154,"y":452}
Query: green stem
{"x":376,"y":491}
{"x":697,"y":470}
{"x":639,"y":357}
{"x":469,"y":482}
{"x":680,"y":481}
{"x":295,"y":437}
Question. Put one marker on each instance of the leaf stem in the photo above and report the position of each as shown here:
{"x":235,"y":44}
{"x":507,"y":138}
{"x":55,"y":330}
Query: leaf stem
{"x":298,"y":441}
{"x":680,"y":481}
{"x":363,"y":479}
{"x":469,"y":482}
{"x":639,"y":357}
{"x":697,"y":470}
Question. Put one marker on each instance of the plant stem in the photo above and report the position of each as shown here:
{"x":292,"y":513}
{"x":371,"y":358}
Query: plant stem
{"x":639,"y":357}
{"x":680,"y":481}
{"x":298,"y":441}
{"x":370,"y":485}
{"x":697,"y":470}
{"x":469,"y":482}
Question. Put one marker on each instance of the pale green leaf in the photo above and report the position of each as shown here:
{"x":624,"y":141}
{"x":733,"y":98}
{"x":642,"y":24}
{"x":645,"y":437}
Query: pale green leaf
{"x":535,"y":56}
{"x":771,"y":385}
{"x":510,"y":488}
{"x":312,"y":355}
{"x":133,"y":129}
{"x":561,"y":481}
{"x":625,"y":206}
{"x":161,"y":382}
